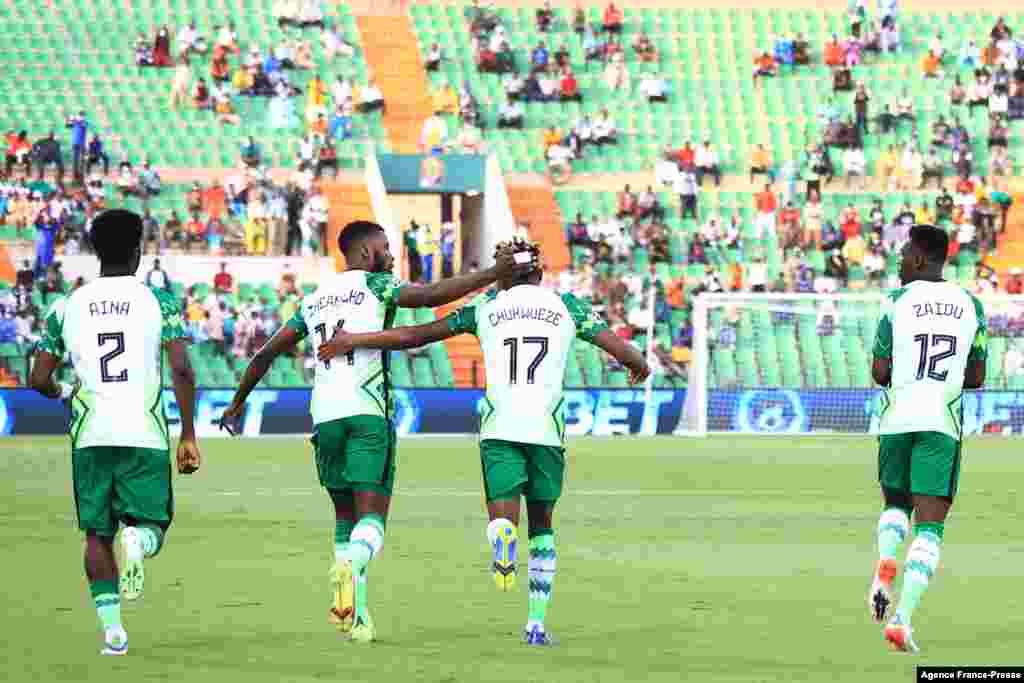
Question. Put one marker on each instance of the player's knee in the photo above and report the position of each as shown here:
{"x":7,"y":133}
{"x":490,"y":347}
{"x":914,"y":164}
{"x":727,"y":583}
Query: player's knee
{"x":898,"y":499}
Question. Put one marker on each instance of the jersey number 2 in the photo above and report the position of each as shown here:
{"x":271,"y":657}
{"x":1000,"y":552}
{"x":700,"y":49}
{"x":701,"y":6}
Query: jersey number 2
{"x":322,"y":330}
{"x":929,"y":364}
{"x":513,"y":357}
{"x":118,"y":339}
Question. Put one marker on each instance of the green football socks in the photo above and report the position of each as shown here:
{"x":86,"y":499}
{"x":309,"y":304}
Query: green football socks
{"x":541,"y":570}
{"x":108,"y":603}
{"x":922,"y":560}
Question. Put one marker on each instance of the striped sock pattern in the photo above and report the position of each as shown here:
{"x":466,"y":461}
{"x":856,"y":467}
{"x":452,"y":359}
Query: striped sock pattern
{"x":342,"y":532}
{"x":541,"y":573}
{"x":152,"y":538}
{"x":107,"y":599}
{"x":893,"y":527}
{"x":922,"y":561}
{"x":365,"y":543}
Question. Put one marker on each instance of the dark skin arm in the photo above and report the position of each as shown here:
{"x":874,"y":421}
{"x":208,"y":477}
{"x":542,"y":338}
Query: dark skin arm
{"x":395,"y":339}
{"x":183,"y":377}
{"x":881,"y":371}
{"x":974,"y":376}
{"x":41,"y":378}
{"x":627,"y":354}
{"x":282,"y":342}
{"x":454,"y":288}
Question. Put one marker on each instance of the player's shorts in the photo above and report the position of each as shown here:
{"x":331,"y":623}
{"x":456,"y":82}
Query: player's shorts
{"x":355,"y":453}
{"x":923,"y":463}
{"x":121,"y":484}
{"x":512,"y":469}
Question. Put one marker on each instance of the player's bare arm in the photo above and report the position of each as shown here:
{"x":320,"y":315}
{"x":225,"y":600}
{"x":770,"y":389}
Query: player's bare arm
{"x":454,"y":288}
{"x":41,"y":378}
{"x":881,"y":371}
{"x":395,"y":339}
{"x":183,"y":377}
{"x":282,"y":342}
{"x":974,"y":376}
{"x":627,"y":354}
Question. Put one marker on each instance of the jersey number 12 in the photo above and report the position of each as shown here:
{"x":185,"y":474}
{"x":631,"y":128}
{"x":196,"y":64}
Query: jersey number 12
{"x":929,"y":364}
{"x":322,"y":330}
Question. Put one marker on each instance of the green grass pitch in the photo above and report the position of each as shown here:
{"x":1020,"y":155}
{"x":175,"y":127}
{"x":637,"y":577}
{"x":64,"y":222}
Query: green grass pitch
{"x":723,"y":559}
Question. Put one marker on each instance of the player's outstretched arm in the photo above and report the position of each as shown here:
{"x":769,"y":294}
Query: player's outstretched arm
{"x":627,"y":354}
{"x":395,"y":339}
{"x":183,"y":377}
{"x":282,"y":342}
{"x":41,"y":377}
{"x":454,"y":288}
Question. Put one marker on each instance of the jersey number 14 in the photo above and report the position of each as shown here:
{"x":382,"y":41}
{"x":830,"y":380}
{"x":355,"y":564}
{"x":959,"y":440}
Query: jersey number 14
{"x":322,"y":331}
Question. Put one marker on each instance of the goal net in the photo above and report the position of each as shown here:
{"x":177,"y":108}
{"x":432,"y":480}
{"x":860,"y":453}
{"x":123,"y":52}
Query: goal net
{"x":801,"y":364}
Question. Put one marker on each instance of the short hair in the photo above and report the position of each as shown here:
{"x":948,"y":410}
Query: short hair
{"x":115,"y":235}
{"x":518,"y":245}
{"x":354,"y":233}
{"x":931,"y":241}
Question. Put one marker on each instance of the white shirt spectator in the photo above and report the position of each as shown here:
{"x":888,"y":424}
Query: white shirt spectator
{"x":1013,"y":362}
{"x":855,"y":161}
{"x":434,"y":133}
{"x":498,"y":40}
{"x":711,"y":230}
{"x":334,"y":43}
{"x":665,"y":171}
{"x":307,"y":148}
{"x":226,"y":37}
{"x":604,"y":127}
{"x":652,"y":86}
{"x":965,"y":234}
{"x":187,"y":38}
{"x":998,"y":103}
{"x":685,"y":183}
{"x":905,"y":105}
{"x":935,"y":46}
{"x":548,"y":85}
{"x":341,"y":91}
{"x":757,"y":274}
{"x":705,"y":157}
{"x":559,"y":155}
{"x":311,"y":12}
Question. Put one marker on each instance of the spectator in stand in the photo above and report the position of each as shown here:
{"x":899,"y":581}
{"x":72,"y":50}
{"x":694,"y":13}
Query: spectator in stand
{"x":432,"y":61}
{"x":616,"y":75}
{"x":190,"y":41}
{"x":764,"y":65}
{"x":761,"y":164}
{"x":327,"y":158}
{"x":47,"y":151}
{"x":510,"y":115}
{"x":434,"y":136}
{"x":195,"y":232}
{"x":570,"y":89}
{"x":19,"y":151}
{"x":766,"y":205}
{"x":157,"y":277}
{"x":371,"y":98}
{"x":162,"y":48}
{"x":539,"y":56}
{"x":545,"y":17}
{"x":1015,"y":284}
{"x":223,"y":282}
{"x":685,"y":185}
{"x":861,"y":100}
{"x":250,"y":152}
{"x":612,"y":19}
{"x":143,"y":52}
{"x":79,"y":126}
{"x":96,"y":155}
{"x":47,"y":226}
{"x":340,"y":127}
{"x":605,"y":131}
{"x":654,"y":87}
{"x":644,"y":48}
{"x":201,"y":95}
{"x":707,"y":163}
{"x":814,"y":215}
{"x":149,"y":180}
{"x":832,"y":53}
{"x":856,"y":167}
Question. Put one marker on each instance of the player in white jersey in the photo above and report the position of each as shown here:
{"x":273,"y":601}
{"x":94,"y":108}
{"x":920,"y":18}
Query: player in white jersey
{"x":353,"y":437}
{"x":115,"y":331}
{"x":526,"y":333}
{"x":931,"y":345}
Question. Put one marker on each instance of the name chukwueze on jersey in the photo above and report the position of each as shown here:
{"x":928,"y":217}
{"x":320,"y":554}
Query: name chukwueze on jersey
{"x":354,"y":297}
{"x":513,"y":313}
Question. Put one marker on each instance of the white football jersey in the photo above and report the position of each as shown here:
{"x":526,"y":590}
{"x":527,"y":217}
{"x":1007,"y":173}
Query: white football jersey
{"x":526,"y":334}
{"x":359,"y":383}
{"x":114,"y":329}
{"x":930,"y":330}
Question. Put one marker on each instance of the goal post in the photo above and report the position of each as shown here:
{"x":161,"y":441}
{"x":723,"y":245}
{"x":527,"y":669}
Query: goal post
{"x":801,"y":364}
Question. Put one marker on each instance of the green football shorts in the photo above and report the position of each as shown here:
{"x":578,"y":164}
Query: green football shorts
{"x":355,"y":453}
{"x":923,"y":463}
{"x":120,"y":484}
{"x":512,"y":469}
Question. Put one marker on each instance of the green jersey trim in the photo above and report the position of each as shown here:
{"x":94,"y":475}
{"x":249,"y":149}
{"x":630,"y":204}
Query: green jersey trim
{"x":385,"y":287}
{"x":559,"y":419}
{"x":588,"y":323}
{"x":172,"y":325}
{"x":979,"y":348}
{"x":297,"y":324}
{"x":53,"y":329}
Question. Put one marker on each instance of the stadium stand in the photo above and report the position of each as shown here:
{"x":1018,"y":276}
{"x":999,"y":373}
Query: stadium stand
{"x":688,"y":83}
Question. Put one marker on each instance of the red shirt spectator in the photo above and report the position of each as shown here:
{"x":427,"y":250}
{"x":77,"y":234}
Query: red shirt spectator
{"x":850,"y":226}
{"x":765,"y":201}
{"x":1015,"y":285}
{"x":789,"y":215}
{"x":570,"y":88}
{"x":196,"y":228}
{"x":223,"y":281}
{"x":965,"y":186}
{"x":627,"y":202}
{"x":686,"y":156}
{"x":833,"y":53}
{"x":612,"y":18}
